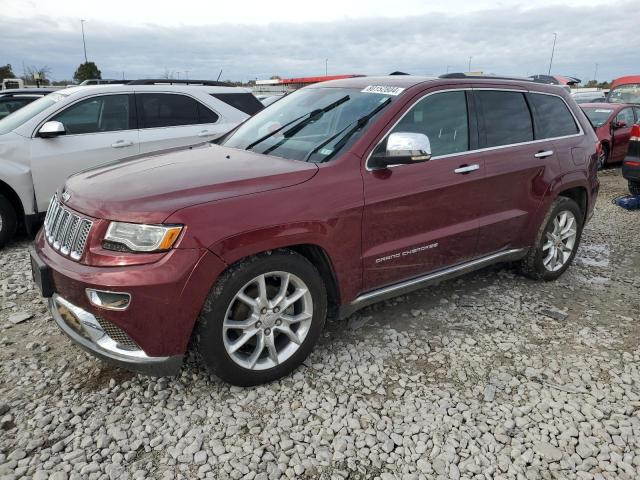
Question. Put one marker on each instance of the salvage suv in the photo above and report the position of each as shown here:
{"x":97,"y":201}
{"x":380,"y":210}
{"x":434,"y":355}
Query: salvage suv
{"x":337,"y":196}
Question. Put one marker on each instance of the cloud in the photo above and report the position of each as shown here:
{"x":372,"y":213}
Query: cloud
{"x":506,"y":40}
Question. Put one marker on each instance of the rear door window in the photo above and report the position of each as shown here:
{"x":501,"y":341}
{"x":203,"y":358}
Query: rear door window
{"x":443,"y":118}
{"x":245,"y":102}
{"x":553,"y":118}
{"x":157,"y":110}
{"x":106,"y":113}
{"x":507,"y":119}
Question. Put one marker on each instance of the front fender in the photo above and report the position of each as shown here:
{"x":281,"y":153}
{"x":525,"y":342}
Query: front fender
{"x":345,"y":267}
{"x":17,"y":177}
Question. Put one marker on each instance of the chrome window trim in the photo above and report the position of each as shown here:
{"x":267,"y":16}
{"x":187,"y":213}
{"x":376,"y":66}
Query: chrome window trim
{"x":478,"y":150}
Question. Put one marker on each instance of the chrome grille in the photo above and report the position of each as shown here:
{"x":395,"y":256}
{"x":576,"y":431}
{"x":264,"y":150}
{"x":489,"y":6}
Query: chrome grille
{"x":65,"y":230}
{"x":117,"y":335}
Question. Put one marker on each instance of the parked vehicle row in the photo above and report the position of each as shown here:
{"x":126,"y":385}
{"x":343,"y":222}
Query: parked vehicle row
{"x":78,"y":128}
{"x":339,"y":195}
{"x":612,"y":123}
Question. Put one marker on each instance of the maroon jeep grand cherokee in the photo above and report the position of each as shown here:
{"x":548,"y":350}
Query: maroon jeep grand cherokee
{"x":337,"y":196}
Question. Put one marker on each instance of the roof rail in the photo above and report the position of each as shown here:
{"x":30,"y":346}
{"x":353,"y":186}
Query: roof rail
{"x":485,"y":77}
{"x":544,"y":79}
{"x":171,"y":81}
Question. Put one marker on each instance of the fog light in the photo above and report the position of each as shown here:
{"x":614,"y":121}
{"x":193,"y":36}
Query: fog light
{"x":109,"y":300}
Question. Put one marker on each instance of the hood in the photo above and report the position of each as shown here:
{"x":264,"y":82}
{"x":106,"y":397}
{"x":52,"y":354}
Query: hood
{"x":149,"y":189}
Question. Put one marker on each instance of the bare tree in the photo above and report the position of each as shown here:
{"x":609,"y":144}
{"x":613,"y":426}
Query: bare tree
{"x":39,"y":75}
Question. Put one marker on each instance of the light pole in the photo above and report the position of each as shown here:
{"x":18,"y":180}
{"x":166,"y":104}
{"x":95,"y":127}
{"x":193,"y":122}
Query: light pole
{"x":84,"y":44}
{"x":469,"y":66}
{"x":595,"y":74}
{"x":553,"y":49}
{"x":326,"y":67}
{"x":448,"y":66}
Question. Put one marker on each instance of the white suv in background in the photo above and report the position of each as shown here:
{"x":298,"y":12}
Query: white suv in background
{"x":79,"y":128}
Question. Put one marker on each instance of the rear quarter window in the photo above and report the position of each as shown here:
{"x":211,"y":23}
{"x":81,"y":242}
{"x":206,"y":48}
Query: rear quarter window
{"x":553,"y":118}
{"x":245,"y":102}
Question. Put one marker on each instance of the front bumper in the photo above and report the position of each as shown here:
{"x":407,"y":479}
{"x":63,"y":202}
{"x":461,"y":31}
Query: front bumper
{"x":631,"y":172}
{"x":631,"y":163}
{"x":85,"y":330}
{"x":166,"y":299}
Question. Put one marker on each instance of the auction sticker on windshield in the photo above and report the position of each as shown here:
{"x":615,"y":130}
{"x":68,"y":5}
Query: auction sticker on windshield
{"x":384,"y":90}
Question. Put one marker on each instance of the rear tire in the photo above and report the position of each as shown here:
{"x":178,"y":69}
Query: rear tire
{"x":634,"y":187}
{"x":262,"y":318}
{"x":556,"y":242}
{"x":8,"y":221}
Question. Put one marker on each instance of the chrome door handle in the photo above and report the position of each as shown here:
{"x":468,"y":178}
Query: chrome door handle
{"x":545,"y":154}
{"x":205,"y":133}
{"x":467,"y":168}
{"x":121,"y":143}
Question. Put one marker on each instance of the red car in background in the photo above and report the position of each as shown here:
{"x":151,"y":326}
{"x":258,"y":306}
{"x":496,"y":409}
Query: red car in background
{"x":625,"y":90}
{"x":612,"y":123}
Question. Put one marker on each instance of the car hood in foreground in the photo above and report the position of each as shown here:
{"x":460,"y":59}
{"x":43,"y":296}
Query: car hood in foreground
{"x":149,"y":189}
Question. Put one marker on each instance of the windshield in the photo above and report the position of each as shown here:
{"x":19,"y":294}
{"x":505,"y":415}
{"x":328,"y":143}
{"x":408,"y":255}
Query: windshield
{"x":19,"y":117}
{"x":310,"y":124}
{"x":629,"y":93}
{"x":597,"y":116}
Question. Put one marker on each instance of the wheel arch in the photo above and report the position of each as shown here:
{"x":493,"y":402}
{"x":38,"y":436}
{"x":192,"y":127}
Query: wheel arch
{"x":579,"y":195}
{"x":319,"y":258}
{"x":10,"y":194}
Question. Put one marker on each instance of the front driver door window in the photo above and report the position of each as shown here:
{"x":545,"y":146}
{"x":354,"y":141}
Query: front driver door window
{"x":423,"y":217}
{"x":99,"y":130}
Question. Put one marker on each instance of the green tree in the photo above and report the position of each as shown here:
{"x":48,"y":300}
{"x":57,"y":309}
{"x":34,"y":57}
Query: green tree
{"x":86,"y":71}
{"x":6,"y":72}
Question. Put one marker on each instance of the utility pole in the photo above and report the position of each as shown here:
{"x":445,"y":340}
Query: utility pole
{"x":326,"y":66}
{"x":553,"y":49}
{"x":595,"y":74}
{"x":469,"y":66}
{"x":84,"y":44}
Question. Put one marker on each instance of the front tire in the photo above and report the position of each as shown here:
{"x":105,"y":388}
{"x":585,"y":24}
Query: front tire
{"x":634,"y":187}
{"x":8,"y":221}
{"x":262,"y":318}
{"x":556,"y":242}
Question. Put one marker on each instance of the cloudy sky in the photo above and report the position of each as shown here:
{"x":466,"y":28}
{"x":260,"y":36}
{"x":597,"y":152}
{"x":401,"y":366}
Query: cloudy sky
{"x":251,"y":39}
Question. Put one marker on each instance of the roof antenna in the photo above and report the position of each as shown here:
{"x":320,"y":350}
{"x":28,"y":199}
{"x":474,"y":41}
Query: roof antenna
{"x":219,"y":75}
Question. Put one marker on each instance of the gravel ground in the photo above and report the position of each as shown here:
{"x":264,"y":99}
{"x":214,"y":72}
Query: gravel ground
{"x":487,"y":376}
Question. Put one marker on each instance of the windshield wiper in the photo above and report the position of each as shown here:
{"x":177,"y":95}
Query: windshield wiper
{"x":303,"y":119}
{"x":347,"y":132}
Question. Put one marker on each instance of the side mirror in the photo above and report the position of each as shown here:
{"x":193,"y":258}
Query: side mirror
{"x":403,"y":148}
{"x":51,"y":129}
{"x":619,"y":124}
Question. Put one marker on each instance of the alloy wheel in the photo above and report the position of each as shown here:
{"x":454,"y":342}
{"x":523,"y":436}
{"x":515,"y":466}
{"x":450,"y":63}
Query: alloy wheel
{"x":560,"y":241}
{"x":267,"y":320}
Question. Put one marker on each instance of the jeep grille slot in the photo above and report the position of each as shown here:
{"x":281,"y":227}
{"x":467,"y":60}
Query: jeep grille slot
{"x":65,"y":230}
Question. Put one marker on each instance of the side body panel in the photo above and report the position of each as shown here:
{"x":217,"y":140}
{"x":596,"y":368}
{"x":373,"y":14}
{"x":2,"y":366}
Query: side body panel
{"x":325,"y":211}
{"x":53,"y":160}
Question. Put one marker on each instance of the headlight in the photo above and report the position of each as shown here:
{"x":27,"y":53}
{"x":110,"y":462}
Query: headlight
{"x":140,"y":238}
